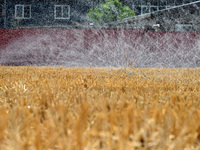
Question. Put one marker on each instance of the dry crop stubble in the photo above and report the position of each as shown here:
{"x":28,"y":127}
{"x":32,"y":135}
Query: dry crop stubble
{"x":99,"y":108}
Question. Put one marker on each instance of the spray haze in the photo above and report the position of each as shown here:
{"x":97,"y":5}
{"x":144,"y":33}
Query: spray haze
{"x":103,"y":48}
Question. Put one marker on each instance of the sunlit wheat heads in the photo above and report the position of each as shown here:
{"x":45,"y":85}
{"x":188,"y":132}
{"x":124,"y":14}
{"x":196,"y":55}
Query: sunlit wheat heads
{"x":99,"y":108}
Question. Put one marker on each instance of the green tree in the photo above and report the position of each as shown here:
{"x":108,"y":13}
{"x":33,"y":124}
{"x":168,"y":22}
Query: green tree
{"x":111,"y":10}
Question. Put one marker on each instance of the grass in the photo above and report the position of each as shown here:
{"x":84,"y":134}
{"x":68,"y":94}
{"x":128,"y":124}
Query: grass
{"x":99,"y":108}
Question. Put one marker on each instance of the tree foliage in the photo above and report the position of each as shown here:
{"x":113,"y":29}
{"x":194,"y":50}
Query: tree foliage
{"x":111,"y":10}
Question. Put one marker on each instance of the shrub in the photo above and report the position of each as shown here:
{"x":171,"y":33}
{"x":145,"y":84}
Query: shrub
{"x":111,"y":10}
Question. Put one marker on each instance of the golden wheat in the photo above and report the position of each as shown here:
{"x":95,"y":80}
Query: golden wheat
{"x":99,"y":108}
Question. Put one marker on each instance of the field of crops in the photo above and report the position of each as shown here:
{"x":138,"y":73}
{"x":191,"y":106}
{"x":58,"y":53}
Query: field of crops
{"x":45,"y":108}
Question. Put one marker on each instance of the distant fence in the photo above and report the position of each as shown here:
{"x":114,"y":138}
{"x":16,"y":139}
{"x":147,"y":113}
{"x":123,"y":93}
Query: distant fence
{"x":137,"y":47}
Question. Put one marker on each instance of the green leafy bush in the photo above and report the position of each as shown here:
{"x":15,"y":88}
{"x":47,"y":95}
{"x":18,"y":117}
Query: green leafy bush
{"x":111,"y":10}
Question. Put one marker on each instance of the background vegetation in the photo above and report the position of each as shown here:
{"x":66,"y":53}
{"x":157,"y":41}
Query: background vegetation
{"x":111,"y":10}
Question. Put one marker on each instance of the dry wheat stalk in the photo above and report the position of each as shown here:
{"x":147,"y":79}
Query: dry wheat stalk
{"x":99,"y":108}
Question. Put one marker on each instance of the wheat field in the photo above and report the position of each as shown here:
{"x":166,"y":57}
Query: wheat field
{"x":57,"y":108}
